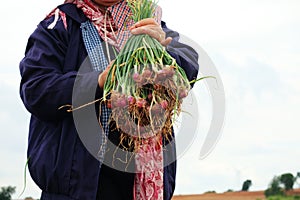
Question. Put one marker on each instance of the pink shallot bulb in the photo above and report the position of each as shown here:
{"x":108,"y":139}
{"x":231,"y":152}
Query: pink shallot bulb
{"x":164,"y":104}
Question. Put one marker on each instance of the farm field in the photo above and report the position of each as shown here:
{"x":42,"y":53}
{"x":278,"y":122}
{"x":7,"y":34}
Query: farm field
{"x":229,"y":196}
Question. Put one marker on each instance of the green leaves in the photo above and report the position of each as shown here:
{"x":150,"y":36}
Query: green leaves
{"x":6,"y":192}
{"x":141,"y":9}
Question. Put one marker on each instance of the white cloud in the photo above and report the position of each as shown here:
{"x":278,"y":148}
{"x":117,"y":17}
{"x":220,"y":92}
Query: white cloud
{"x":260,"y":138}
{"x":217,"y":20}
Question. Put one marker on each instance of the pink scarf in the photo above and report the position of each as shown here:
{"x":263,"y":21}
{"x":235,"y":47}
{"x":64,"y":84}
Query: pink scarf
{"x":148,"y":183}
{"x":112,"y":25}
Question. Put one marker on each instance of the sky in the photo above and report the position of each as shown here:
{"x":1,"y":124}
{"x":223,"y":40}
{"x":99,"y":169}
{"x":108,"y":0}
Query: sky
{"x":255,"y":47}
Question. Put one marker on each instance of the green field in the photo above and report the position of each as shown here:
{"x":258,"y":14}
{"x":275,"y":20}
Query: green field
{"x":284,"y":198}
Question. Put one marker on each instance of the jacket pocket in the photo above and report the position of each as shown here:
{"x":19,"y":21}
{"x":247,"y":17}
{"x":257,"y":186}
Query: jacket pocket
{"x":50,"y":150}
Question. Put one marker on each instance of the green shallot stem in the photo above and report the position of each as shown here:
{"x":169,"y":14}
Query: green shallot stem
{"x":26,"y":164}
{"x":199,"y":79}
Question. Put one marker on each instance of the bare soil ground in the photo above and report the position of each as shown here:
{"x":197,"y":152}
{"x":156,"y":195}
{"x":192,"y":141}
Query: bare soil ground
{"x":229,"y":196}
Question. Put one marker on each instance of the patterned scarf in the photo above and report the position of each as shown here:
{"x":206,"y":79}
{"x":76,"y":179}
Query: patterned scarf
{"x":102,"y":20}
{"x":112,"y":25}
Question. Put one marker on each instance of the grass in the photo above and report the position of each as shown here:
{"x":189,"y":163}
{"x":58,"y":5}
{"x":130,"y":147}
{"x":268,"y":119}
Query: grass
{"x":284,"y":198}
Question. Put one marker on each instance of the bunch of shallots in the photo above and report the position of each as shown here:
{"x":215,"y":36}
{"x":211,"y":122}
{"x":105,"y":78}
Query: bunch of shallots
{"x":145,"y":86}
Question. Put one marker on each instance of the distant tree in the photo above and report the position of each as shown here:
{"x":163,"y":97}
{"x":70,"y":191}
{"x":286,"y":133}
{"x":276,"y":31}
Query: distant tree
{"x":246,"y":185}
{"x":6,"y":192}
{"x":210,"y":192}
{"x":274,"y":188}
{"x":287,"y":180}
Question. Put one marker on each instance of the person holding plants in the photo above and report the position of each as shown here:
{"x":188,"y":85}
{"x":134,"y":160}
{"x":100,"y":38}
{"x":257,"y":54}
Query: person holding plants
{"x":61,"y":67}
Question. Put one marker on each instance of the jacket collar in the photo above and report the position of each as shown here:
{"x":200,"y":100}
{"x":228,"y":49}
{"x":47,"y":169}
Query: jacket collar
{"x":73,"y":12}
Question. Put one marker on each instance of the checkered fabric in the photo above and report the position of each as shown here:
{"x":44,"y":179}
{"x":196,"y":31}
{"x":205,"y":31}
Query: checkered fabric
{"x":98,"y":60}
{"x":121,"y":13}
{"x":117,"y":20}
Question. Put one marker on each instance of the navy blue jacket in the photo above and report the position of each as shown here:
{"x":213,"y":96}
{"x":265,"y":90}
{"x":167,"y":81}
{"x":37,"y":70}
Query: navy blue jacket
{"x":59,"y":163}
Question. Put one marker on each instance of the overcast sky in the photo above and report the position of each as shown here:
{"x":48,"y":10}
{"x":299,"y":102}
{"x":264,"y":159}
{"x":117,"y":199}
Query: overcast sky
{"x":255,"y":47}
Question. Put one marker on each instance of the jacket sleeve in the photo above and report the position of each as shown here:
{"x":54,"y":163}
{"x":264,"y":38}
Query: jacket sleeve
{"x":45,"y":85}
{"x":186,"y":56}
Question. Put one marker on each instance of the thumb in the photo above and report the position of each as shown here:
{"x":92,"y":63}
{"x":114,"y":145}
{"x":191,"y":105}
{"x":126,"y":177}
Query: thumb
{"x":167,"y":41}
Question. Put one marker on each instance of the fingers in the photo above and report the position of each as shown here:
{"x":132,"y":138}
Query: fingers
{"x":150,"y":27}
{"x":167,"y":41}
{"x":144,"y":22}
{"x":109,"y":65}
{"x":103,"y":75}
{"x":153,"y":31}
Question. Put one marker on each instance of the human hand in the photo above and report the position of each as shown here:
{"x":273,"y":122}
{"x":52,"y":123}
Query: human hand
{"x":150,"y":27}
{"x":102,"y":77}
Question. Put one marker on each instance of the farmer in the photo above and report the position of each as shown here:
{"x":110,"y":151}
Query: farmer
{"x":59,"y":68}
